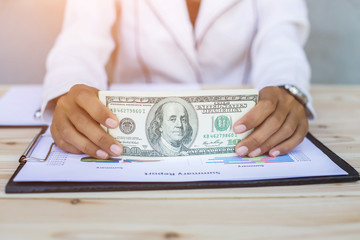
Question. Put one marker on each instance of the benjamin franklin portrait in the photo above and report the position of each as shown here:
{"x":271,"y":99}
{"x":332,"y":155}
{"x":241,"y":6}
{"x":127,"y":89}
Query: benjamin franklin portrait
{"x":170,"y":131}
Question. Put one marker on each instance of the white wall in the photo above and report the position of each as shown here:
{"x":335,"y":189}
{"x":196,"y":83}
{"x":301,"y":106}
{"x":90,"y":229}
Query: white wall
{"x":28,"y":29}
{"x":334,"y":45}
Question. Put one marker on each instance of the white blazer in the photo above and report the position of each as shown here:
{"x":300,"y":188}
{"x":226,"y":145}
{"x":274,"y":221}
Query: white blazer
{"x":257,"y":42}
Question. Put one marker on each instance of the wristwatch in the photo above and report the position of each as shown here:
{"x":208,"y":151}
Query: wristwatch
{"x":297,"y":93}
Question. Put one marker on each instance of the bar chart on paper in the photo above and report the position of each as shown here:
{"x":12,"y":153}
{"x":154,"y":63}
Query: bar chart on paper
{"x":248,"y":160}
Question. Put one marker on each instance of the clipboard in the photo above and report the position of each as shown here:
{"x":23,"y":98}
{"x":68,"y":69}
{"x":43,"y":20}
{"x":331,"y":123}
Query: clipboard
{"x":42,"y":187}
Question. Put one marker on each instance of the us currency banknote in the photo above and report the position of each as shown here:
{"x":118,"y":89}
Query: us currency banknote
{"x":157,"y":125}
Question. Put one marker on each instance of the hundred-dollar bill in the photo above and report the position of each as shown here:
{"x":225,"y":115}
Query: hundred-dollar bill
{"x":157,"y":125}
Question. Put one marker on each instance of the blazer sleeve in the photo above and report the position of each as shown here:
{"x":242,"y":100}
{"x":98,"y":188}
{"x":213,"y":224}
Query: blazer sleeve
{"x":81,"y":51}
{"x":278,"y":57}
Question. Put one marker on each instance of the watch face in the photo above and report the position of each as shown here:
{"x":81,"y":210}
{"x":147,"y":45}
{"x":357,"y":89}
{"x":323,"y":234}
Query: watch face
{"x":300,"y":96}
{"x":291,"y":89}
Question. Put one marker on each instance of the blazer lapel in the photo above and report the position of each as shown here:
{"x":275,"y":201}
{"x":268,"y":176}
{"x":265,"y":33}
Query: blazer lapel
{"x":173,"y":15}
{"x":210,"y":12}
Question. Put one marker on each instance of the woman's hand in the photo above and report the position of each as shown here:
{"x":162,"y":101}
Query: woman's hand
{"x":76,"y":124}
{"x":280,"y":124}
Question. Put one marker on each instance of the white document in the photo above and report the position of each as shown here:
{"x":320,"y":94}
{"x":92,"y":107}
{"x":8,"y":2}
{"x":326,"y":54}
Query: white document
{"x":20,"y":105}
{"x":306,"y":160}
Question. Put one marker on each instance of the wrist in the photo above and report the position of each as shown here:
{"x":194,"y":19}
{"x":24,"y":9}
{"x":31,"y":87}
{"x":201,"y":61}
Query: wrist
{"x":296,"y":93}
{"x":300,"y":97}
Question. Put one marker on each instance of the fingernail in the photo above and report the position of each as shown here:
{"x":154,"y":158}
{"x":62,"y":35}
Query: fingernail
{"x":111,"y":123}
{"x":101,"y":154}
{"x":240,"y":128}
{"x":242,"y":151}
{"x":275,"y":153}
{"x":116,"y":149}
{"x":255,"y":153}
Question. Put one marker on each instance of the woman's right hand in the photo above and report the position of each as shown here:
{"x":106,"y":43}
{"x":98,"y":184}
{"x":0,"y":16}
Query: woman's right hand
{"x":76,"y":124}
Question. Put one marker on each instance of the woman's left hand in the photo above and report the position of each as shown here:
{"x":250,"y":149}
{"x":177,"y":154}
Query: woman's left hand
{"x":280,"y":124}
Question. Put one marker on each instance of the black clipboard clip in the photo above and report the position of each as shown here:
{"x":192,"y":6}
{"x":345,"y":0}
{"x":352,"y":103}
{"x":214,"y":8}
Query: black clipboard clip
{"x":27,"y":153}
{"x":24,"y":158}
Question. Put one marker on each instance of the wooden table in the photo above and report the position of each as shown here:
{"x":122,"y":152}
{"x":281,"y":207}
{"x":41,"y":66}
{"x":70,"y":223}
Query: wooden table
{"x":324,"y":211}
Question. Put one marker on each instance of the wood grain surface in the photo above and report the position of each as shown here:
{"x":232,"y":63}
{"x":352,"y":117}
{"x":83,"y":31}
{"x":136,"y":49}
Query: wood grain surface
{"x":320,"y":211}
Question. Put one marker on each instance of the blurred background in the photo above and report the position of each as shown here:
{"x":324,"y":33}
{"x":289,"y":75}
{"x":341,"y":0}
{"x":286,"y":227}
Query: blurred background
{"x":28,"y":29}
